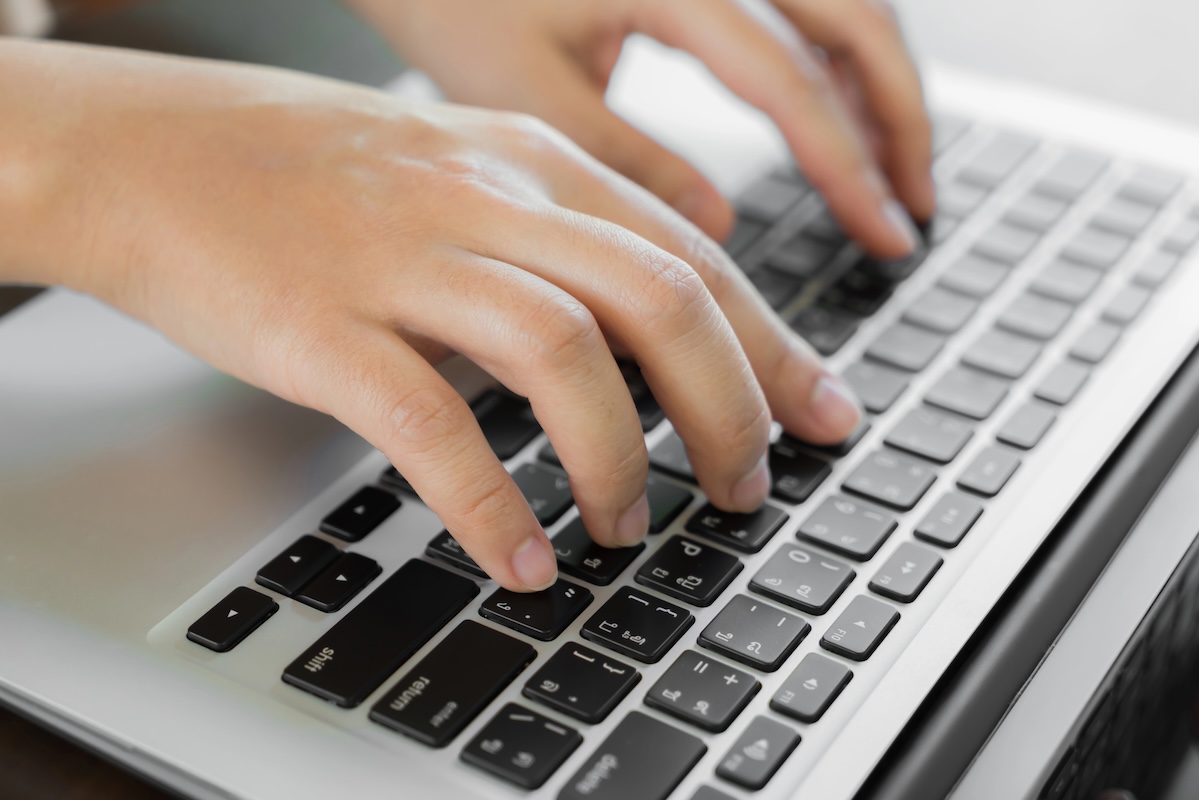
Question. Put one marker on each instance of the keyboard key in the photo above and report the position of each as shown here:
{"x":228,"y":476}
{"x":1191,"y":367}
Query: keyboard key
{"x":547,"y":491}
{"x":758,"y":753}
{"x":542,"y":615}
{"x":1035,"y":317}
{"x":796,"y":474}
{"x":891,"y":270}
{"x":802,"y":579}
{"x":1126,"y":217}
{"x":1062,"y":382}
{"x":1127,"y":305}
{"x":708,"y":793}
{"x":941,"y":228}
{"x":858,"y":293}
{"x":995,"y":162}
{"x":521,"y":746}
{"x":891,"y":478}
{"x":1096,"y":248}
{"x":1036,"y":212}
{"x":839,"y":449}
{"x":1068,"y":282}
{"x":670,"y":456}
{"x":989,"y":471}
{"x":448,"y":688}
{"x":860,"y":629}
{"x":688,"y":571}
{"x":361,"y":514}
{"x":1152,"y":186}
{"x":931,"y":433}
{"x":827,"y":331}
{"x":351,"y":659}
{"x":769,"y":199}
{"x":233,"y":619}
{"x":649,"y":413}
{"x":1182,"y":236}
{"x":754,"y":633}
{"x":287,"y":572}
{"x":1096,"y":342}
{"x":745,"y":532}
{"x":776,"y":288}
{"x":1002,"y":353}
{"x":825,"y":228}
{"x":745,"y":232}
{"x":445,"y":548}
{"x":666,"y":502}
{"x":580,"y":557}
{"x":974,"y":275}
{"x":507,"y":423}
{"x":339,"y":583}
{"x":906,"y":573}
{"x":1071,"y":175}
{"x":848,"y":527}
{"x":392,"y":479}
{"x":638,"y":625}
{"x":946,"y":131}
{"x":641,"y":758}
{"x":811,"y":688}
{"x":968,"y":392}
{"x":950,"y":519}
{"x":701,"y":691}
{"x":800,"y":257}
{"x":1006,"y":244}
{"x":1027,"y":425}
{"x":959,"y":199}
{"x":582,"y":683}
{"x":877,"y":386}
{"x":1155,"y":269}
{"x":906,"y":347}
{"x":941,"y":311}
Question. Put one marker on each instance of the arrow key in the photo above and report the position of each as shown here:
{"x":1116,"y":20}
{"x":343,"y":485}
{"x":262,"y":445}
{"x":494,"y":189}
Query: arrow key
{"x":361,"y":514}
{"x":287,"y":572}
{"x":860,"y":629}
{"x":906,"y":573}
{"x":339,"y":583}
{"x":234,"y":618}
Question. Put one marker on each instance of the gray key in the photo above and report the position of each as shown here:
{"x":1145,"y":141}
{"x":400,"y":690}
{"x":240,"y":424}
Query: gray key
{"x":700,"y":690}
{"x":968,"y":392}
{"x":1027,"y":425}
{"x":974,"y":275}
{"x":1002,"y":353}
{"x":860,"y":629}
{"x":827,"y":331}
{"x":1182,"y":236}
{"x":1127,"y":217}
{"x":1035,"y":317}
{"x":758,"y":753}
{"x":708,"y":793}
{"x":943,"y":227}
{"x":776,"y":289}
{"x":800,"y":257}
{"x":891,"y":478}
{"x":989,"y":471}
{"x":848,"y":527}
{"x":1096,"y":342}
{"x":1006,"y":243}
{"x":1062,"y":382}
{"x":906,"y":572}
{"x":992,"y":165}
{"x":877,"y":386}
{"x":1155,"y":269}
{"x":745,"y":232}
{"x":768,"y":199}
{"x":950,"y":519}
{"x":670,"y":455}
{"x":1062,"y":280}
{"x":959,"y":199}
{"x":940,"y":310}
{"x":906,"y":347}
{"x":1127,"y":305}
{"x":1096,"y":248}
{"x":802,"y":578}
{"x":1071,"y":175}
{"x":754,"y":632}
{"x":1151,"y":185}
{"x":811,"y":688}
{"x":1035,"y":212}
{"x":947,"y":130}
{"x":930,"y":433}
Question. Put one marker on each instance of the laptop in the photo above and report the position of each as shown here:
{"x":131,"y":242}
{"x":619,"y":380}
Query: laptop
{"x":988,"y":592}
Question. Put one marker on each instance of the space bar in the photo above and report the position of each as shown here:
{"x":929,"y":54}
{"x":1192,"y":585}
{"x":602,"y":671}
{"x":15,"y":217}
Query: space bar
{"x":379,"y":634}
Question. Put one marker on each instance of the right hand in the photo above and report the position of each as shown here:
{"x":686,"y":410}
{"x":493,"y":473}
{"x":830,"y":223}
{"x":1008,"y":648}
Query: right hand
{"x":327,"y":243}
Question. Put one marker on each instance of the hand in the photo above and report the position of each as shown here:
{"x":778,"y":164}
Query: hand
{"x":851,"y":111}
{"x":327,"y":243}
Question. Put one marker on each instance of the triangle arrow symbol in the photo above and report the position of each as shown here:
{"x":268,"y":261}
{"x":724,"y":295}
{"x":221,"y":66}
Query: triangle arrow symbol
{"x":360,"y":510}
{"x":860,"y":624}
{"x":232,"y":613}
{"x":295,"y":559}
{"x":341,"y":578}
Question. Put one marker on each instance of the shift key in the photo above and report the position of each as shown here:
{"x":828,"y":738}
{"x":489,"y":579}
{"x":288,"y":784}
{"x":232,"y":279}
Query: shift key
{"x":379,"y":634}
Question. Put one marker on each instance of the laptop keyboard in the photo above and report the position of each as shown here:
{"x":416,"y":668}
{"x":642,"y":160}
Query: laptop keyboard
{"x":875,"y":520}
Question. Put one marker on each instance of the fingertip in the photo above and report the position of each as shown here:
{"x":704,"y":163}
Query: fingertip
{"x":534,"y":565}
{"x":633,"y":524}
{"x":750,"y":492}
{"x":834,"y":410}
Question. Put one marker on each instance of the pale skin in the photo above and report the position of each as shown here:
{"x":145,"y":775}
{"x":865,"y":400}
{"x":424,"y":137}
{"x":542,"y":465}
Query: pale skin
{"x":331,"y":244}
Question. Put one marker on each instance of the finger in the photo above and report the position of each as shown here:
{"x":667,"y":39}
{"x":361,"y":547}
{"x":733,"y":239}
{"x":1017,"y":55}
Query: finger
{"x":867,"y":33}
{"x":368,"y":378}
{"x":774,"y":70}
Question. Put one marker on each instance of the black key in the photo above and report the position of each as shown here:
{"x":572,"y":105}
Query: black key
{"x":1071,"y":283}
{"x":521,"y":747}
{"x":745,"y":532}
{"x":950,"y":519}
{"x":582,"y":683}
{"x":648,"y":410}
{"x":352,"y":658}
{"x":361,"y":514}
{"x":1096,"y":248}
{"x":448,"y":688}
{"x":549,"y":455}
{"x":849,"y":527}
{"x":1027,"y":425}
{"x":758,"y":753}
{"x":891,"y":478}
{"x":542,"y":615}
{"x":1151,"y":185}
{"x":392,"y":479}
{"x":968,"y":392}
{"x":1124,"y":216}
{"x":827,"y":331}
{"x":931,"y":433}
{"x":1096,"y":342}
{"x":445,"y":548}
{"x":906,"y":572}
{"x":803,"y":579}
{"x":666,"y":502}
{"x":768,"y":199}
{"x":877,"y":386}
{"x":857,"y":293}
{"x":745,"y":232}
{"x":974,"y":275}
{"x":811,"y":688}
{"x":754,"y":633}
{"x":547,"y":491}
{"x":1062,"y":382}
{"x":1155,"y":269}
{"x":641,"y":758}
{"x":688,"y":571}
{"x":1002,"y":353}
{"x":1035,"y":212}
{"x":670,"y":456}
{"x":989,"y":471}
{"x":638,"y":625}
{"x":507,"y":422}
{"x":860,"y":629}
{"x":893,"y":270}
{"x":287,"y":572}
{"x":800,"y":257}
{"x":940,"y":310}
{"x":1127,"y":305}
{"x":796,"y":474}
{"x":580,"y":557}
{"x":702,"y":691}
{"x":839,"y":449}
{"x":234,"y":618}
{"x":1035,"y":317}
{"x":991,"y":166}
{"x":339,"y":583}
{"x":1071,"y":175}
{"x":906,"y":347}
{"x":1006,"y":244}
{"x":776,"y":288}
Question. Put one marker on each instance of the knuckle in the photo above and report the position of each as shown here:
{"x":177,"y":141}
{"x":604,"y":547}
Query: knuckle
{"x":487,"y":508}
{"x":746,"y":429}
{"x":675,"y":296}
{"x":532,"y":134}
{"x":559,"y":333}
{"x":422,"y":418}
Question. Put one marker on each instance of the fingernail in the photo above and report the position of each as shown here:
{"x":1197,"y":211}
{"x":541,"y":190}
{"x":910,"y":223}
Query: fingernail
{"x":834,"y":406}
{"x":534,"y":564}
{"x":901,"y":223}
{"x":751,"y":490}
{"x":633,"y":523}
